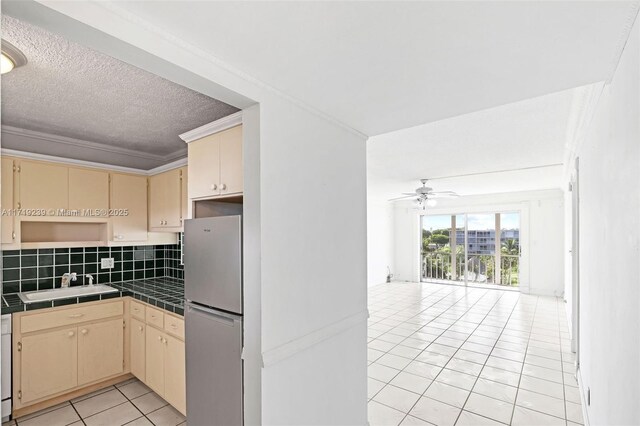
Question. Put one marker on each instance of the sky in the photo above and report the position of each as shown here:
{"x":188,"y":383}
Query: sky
{"x":476,"y":221}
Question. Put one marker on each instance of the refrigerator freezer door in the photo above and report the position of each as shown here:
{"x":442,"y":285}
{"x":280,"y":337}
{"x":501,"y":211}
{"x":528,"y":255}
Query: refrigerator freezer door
{"x":213,"y":262}
{"x":214,"y":367}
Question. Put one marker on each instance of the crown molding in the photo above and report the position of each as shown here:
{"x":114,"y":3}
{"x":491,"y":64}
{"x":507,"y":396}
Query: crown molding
{"x":583,"y":107}
{"x":214,"y":127}
{"x":173,"y":160}
{"x":91,"y":164}
{"x":169,"y":166}
{"x":32,"y":134}
{"x":632,"y":13}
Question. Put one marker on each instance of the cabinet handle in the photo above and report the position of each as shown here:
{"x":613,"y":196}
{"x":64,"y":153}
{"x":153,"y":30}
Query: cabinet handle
{"x":160,"y":338}
{"x":223,"y":187}
{"x":119,"y":237}
{"x":173,"y":325}
{"x":164,"y":341}
{"x":76,"y":315}
{"x":85,"y":331}
{"x":71,"y":333}
{"x":214,"y":187}
{"x":140,"y":327}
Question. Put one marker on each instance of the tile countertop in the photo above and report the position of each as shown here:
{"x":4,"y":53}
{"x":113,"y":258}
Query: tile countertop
{"x":165,"y":293}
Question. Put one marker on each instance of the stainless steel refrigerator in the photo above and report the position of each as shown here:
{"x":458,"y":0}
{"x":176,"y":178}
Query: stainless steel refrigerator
{"x":213,"y":320}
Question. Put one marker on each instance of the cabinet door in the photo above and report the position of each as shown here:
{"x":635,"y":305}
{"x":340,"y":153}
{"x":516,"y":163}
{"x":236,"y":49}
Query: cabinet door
{"x":48,"y":364}
{"x":89,"y":189}
{"x":8,"y":236}
{"x":204,"y":167}
{"x":173,"y":199}
{"x":231,"y":161}
{"x":154,"y":356}
{"x":175,"y":377}
{"x":129,"y":192}
{"x":100,"y":350}
{"x":138,"y":343}
{"x":157,"y":202}
{"x":184,"y":197}
{"x":43,"y":186}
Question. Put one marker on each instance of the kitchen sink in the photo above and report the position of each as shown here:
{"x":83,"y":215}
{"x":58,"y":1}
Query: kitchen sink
{"x":63,"y":293}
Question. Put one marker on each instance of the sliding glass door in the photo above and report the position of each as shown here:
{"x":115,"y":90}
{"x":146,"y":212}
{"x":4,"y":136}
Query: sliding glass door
{"x":480,"y":248}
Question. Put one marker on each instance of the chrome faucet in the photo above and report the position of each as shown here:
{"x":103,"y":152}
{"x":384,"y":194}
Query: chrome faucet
{"x":90,"y":278}
{"x":69,"y":276}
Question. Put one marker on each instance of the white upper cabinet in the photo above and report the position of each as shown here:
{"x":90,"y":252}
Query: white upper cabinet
{"x":129,"y":207}
{"x":43,"y":186}
{"x":166,"y":204}
{"x":89,"y":191}
{"x":215,"y":165}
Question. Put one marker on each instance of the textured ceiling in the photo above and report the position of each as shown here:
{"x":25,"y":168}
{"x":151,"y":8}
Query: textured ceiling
{"x":69,"y":90}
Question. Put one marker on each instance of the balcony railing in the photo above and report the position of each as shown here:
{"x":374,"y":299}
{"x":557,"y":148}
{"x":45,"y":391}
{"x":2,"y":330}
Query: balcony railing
{"x":476,"y":268}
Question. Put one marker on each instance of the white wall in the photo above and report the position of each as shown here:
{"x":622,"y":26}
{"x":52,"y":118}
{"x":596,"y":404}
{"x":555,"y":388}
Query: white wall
{"x":313,"y":213}
{"x":541,"y":237}
{"x":305,"y":264}
{"x":609,"y":188}
{"x":380,"y":239}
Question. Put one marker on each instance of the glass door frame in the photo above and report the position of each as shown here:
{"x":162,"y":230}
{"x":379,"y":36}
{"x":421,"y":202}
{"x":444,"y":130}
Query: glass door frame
{"x":523,"y":238}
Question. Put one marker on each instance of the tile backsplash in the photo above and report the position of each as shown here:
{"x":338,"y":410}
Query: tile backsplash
{"x":40,"y":269}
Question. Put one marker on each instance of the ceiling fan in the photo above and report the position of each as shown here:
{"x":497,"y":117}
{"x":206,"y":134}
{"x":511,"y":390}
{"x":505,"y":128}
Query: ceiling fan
{"x":426,"y":196}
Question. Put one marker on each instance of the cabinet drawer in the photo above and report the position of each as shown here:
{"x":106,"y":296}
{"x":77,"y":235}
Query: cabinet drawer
{"x":155,"y":317}
{"x":137,"y":310}
{"x":174,"y":325}
{"x":63,"y":317}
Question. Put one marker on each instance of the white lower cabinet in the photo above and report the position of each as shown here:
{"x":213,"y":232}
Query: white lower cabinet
{"x":100,"y":350}
{"x":137,"y":349}
{"x":61,"y":353}
{"x":48,"y":364}
{"x":61,"y":350}
{"x":158,"y":353}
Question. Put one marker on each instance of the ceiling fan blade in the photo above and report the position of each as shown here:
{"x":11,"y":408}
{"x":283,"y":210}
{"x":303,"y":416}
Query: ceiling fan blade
{"x":402,"y":198}
{"x":443,"y":195}
{"x":415,"y":194}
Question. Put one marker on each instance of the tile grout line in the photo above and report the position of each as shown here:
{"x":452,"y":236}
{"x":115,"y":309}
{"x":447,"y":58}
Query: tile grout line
{"x":134,"y":405}
{"x":515,"y":401}
{"x":536,"y":324}
{"x":488,"y":355}
{"x":77,"y":413}
{"x":397,"y":344}
{"x":443,"y":367}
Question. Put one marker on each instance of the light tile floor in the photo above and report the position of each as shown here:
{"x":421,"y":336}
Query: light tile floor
{"x":128,"y":403}
{"x":445,"y":355}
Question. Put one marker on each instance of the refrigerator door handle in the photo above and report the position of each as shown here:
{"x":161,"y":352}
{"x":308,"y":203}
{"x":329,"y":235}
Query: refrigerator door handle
{"x":217,"y":315}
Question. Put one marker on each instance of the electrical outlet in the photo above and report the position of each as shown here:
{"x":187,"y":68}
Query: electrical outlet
{"x":106,"y":263}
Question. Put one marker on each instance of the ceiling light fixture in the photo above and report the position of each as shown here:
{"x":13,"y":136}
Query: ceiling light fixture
{"x":11,"y":57}
{"x":431,"y":202}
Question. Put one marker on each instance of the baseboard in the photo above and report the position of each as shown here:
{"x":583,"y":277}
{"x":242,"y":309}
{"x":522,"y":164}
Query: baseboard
{"x":32,"y":408}
{"x":583,"y":399}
